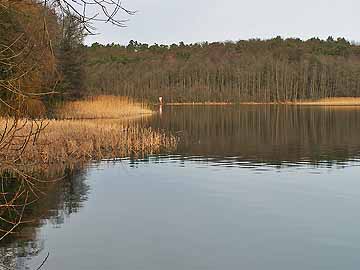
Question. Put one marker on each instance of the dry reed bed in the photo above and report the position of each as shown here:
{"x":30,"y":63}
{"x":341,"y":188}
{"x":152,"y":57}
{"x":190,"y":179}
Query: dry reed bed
{"x":83,"y":140}
{"x":102,"y":107}
{"x":340,"y":101}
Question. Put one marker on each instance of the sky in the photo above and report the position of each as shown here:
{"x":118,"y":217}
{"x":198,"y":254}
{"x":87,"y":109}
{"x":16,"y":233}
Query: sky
{"x":190,"y":21}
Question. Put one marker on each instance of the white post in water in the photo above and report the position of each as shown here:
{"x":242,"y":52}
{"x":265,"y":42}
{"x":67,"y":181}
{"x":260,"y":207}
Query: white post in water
{"x":161,"y":103}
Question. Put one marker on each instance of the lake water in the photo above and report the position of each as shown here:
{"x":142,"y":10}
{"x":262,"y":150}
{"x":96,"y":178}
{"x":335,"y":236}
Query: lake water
{"x":249,"y":187}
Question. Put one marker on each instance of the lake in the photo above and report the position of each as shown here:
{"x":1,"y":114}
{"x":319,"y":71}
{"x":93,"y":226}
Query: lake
{"x":249,"y":187}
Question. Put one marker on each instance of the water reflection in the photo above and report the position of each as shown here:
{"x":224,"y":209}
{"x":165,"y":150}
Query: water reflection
{"x":60,"y":201}
{"x":264,"y":135}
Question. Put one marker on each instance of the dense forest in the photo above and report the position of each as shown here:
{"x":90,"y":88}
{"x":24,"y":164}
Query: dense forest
{"x":255,"y":70}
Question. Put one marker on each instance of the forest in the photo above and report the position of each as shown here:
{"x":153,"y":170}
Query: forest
{"x":44,"y":52}
{"x":274,"y":70}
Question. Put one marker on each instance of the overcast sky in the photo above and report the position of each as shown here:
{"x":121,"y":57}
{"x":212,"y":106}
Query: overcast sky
{"x":171,"y":21}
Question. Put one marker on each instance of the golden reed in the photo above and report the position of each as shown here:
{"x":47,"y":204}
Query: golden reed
{"x":102,"y":107}
{"x":99,"y":130}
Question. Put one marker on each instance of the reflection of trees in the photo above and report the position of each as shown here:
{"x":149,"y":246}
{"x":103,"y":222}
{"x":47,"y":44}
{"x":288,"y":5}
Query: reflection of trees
{"x":70,"y":196}
{"x":270,"y":134}
{"x":60,"y":200}
{"x":14,"y":256}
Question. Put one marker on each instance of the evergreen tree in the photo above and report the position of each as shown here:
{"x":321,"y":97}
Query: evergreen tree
{"x":71,"y":58}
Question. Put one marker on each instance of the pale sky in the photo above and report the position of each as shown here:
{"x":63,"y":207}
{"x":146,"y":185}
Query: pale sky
{"x":171,"y":21}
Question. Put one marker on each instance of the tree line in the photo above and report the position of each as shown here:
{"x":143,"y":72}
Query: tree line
{"x":274,"y":70}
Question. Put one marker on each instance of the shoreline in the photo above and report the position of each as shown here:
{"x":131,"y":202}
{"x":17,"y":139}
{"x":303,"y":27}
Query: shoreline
{"x":338,"y":102}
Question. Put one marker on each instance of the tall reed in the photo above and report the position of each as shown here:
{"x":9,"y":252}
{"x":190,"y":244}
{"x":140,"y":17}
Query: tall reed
{"x":83,"y":140}
{"x":98,"y":129}
{"x":102,"y":107}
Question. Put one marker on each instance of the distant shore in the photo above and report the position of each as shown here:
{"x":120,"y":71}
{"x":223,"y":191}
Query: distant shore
{"x":340,"y":101}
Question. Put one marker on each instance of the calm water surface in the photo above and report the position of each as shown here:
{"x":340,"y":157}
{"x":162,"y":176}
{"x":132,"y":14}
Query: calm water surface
{"x":248,"y":188}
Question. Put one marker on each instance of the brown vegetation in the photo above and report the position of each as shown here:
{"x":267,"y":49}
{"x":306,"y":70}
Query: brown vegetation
{"x":340,"y":101}
{"x":83,"y":140}
{"x":107,"y":135}
{"x":102,"y":107}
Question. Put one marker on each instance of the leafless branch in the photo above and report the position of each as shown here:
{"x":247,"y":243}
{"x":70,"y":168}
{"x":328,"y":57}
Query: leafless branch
{"x":89,"y":11}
